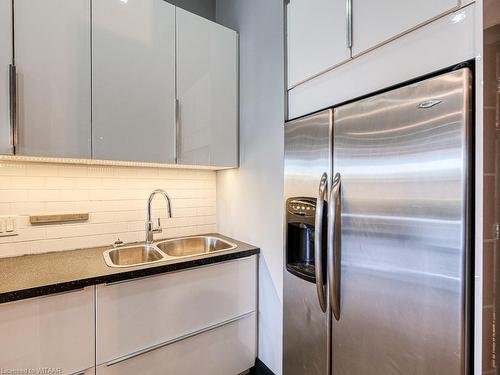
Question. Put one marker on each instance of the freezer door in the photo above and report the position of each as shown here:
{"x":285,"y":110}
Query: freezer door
{"x":307,"y":160}
{"x":402,"y":157}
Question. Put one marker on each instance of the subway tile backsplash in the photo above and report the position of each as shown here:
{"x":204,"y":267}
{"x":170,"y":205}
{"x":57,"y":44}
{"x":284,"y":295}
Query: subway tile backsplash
{"x":114,"y":196}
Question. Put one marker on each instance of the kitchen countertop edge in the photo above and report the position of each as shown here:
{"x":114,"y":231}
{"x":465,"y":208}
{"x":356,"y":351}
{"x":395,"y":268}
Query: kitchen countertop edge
{"x":128,"y":274}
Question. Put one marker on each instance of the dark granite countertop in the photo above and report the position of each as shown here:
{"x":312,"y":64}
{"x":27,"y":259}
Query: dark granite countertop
{"x":35,"y":275}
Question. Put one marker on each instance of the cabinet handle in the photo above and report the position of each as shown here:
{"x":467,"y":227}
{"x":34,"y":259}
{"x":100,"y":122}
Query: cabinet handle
{"x":13,"y":107}
{"x":177,"y":131}
{"x":349,"y":22}
{"x":82,"y":372}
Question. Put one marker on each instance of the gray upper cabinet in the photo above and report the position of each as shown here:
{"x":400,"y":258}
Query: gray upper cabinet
{"x":6,"y":146}
{"x":317,"y":37}
{"x":133,"y":79}
{"x":207,"y":91}
{"x":375,"y":22}
{"x":52,"y":55}
{"x":322,"y":34}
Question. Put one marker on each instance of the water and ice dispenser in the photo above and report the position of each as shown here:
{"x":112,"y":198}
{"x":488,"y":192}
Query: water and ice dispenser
{"x":300,"y":218}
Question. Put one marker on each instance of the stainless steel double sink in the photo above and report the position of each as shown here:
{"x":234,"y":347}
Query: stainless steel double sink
{"x":137,"y":255}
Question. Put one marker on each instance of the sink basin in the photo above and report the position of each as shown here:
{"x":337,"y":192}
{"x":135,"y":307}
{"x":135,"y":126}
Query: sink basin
{"x":189,"y":246}
{"x":133,"y":256}
{"x":176,"y":248}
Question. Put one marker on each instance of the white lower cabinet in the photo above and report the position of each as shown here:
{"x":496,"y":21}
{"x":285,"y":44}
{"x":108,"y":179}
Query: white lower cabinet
{"x":199,"y":318}
{"x":196,"y":321}
{"x":226,"y":350}
{"x":51,"y":332}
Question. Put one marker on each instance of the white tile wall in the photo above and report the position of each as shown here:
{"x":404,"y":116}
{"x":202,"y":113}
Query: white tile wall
{"x":114,"y":196}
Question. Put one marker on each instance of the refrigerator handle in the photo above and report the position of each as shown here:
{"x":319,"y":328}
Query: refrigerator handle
{"x":334,"y":245}
{"x":318,"y":241}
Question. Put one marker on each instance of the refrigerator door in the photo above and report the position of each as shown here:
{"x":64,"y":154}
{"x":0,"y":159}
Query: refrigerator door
{"x":403,"y":160}
{"x":307,"y":177}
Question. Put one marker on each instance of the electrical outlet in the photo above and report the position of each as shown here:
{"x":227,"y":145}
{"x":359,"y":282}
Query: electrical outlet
{"x":8,"y":226}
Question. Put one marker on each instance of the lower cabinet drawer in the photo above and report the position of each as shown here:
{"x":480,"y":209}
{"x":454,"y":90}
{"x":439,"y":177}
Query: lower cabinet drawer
{"x":141,"y":313}
{"x":49,"y":334}
{"x":228,"y":349}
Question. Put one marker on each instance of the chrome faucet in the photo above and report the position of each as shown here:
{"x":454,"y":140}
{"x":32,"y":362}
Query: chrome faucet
{"x":150,"y":228}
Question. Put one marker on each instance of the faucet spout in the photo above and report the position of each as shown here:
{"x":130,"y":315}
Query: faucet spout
{"x":150,"y":229}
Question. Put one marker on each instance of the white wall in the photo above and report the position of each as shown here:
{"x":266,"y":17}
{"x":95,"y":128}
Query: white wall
{"x":249,"y":200}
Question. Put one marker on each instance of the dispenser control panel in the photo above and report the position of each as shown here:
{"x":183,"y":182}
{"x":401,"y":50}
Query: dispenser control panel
{"x":305,"y":207}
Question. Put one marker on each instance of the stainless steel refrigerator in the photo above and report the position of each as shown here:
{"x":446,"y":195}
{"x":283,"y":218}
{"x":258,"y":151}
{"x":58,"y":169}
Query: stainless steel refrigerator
{"x":378,"y":233}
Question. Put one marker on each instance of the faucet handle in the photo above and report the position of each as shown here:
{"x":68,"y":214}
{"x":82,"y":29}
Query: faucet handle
{"x":158,"y":229}
{"x":118,"y":243}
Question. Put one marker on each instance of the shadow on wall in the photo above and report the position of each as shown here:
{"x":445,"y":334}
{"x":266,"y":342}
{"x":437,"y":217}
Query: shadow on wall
{"x":250,"y":199}
{"x":204,"y":8}
{"x":270,"y":312}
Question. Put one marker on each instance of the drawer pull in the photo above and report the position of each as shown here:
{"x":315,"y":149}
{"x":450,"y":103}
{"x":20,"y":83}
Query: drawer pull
{"x":177,"y":339}
{"x":164,"y":273}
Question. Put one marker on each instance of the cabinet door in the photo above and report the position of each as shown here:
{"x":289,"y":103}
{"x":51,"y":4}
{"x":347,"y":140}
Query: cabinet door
{"x":316,"y":37}
{"x":226,"y":350}
{"x":166,"y":307}
{"x":5,"y":60}
{"x":49,"y":332}
{"x":52,"y":55}
{"x":375,"y":22}
{"x":133,"y":75}
{"x":207,"y":90}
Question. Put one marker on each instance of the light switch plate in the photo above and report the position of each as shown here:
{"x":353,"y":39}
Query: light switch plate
{"x":8,"y":226}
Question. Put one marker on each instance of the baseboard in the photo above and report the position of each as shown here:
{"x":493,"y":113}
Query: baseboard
{"x":260,"y":368}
